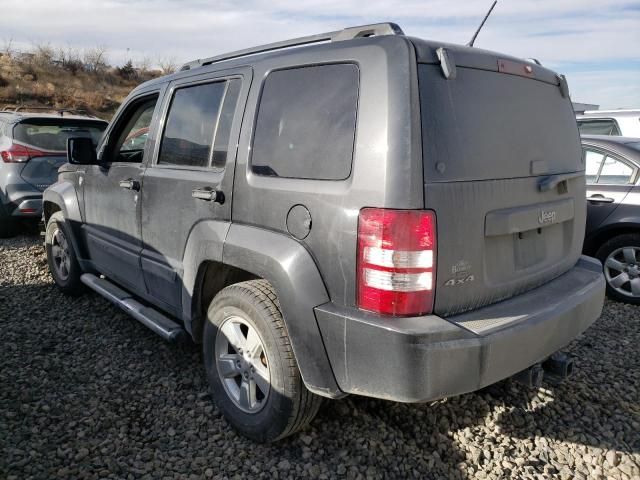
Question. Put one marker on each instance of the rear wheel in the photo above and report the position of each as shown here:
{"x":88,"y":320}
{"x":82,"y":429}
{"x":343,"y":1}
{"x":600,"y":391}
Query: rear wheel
{"x":250,"y":365}
{"x":620,"y":257}
{"x":61,"y":257}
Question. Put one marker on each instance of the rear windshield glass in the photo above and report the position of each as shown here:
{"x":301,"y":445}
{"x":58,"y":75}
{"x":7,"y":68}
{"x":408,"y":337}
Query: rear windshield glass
{"x":486,"y":125}
{"x":52,"y":134}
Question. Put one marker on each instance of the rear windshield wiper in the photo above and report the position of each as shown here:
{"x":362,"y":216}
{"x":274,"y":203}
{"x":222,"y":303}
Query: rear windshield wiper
{"x":547,"y":183}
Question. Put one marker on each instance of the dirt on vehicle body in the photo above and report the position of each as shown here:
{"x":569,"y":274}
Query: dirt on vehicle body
{"x":365,"y":213}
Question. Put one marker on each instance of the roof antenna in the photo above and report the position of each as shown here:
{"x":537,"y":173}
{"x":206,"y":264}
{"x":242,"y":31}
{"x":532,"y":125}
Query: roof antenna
{"x":473,"y":39}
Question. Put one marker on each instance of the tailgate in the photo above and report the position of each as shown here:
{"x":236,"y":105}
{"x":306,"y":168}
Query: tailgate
{"x":42,"y":171}
{"x":504,"y":173}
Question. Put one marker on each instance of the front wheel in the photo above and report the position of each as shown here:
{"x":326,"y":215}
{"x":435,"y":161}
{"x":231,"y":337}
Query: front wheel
{"x":620,"y":257}
{"x":61,"y":257}
{"x":250,"y":364}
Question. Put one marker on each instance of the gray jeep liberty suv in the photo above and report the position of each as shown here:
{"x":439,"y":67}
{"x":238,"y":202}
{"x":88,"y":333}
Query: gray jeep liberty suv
{"x":365,"y":213}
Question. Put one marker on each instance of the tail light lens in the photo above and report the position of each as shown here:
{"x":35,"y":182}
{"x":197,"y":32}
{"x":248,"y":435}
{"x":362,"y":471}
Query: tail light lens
{"x":19,"y":154}
{"x":396,"y":261}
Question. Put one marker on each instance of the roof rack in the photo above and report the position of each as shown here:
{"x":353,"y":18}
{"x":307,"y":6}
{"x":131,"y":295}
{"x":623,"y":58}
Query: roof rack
{"x":375,"y":29}
{"x":60,"y":111}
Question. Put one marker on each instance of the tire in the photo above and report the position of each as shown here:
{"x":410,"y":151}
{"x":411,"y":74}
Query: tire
{"x":8,"y":227}
{"x":57,"y":243}
{"x":620,"y":257}
{"x":287,"y":405}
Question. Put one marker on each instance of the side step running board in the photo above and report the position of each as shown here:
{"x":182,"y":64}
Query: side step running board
{"x":152,"y":319}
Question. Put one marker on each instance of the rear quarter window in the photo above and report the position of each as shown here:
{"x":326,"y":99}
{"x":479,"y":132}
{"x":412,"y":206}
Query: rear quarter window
{"x":306,"y":123}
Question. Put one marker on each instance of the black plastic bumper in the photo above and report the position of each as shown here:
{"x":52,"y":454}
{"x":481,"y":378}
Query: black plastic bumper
{"x":420,"y":359}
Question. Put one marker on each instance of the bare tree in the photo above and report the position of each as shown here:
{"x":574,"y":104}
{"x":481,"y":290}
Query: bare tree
{"x":143,"y":65}
{"x":167,"y":65}
{"x":7,"y":47}
{"x":95,"y":59}
{"x":44,"y":53}
{"x":70,"y":59}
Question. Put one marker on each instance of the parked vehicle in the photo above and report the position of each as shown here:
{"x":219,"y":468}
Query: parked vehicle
{"x":610,"y":122}
{"x":613,"y":212}
{"x":357,"y":212}
{"x":32,"y":147}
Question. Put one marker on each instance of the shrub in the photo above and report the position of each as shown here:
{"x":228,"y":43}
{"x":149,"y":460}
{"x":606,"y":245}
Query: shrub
{"x":29,"y":71}
{"x":44,"y":54}
{"x":127,"y":71}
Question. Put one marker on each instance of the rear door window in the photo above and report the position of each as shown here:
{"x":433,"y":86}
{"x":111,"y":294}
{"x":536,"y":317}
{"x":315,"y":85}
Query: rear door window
{"x":306,"y":123}
{"x":604,"y":126}
{"x":52,"y":134}
{"x":191,"y":125}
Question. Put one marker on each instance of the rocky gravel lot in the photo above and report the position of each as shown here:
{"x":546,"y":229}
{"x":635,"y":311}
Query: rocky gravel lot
{"x":87,"y":392}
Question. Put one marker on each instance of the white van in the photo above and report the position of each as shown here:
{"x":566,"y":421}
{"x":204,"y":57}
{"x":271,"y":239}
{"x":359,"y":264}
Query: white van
{"x":610,"y":122}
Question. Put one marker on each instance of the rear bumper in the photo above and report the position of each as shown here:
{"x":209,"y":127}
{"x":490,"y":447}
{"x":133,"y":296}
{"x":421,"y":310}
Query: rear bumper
{"x":420,"y":359}
{"x":23,"y":202}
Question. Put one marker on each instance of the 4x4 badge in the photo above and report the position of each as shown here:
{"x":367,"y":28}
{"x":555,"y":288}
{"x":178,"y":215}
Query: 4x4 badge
{"x":454,"y":282}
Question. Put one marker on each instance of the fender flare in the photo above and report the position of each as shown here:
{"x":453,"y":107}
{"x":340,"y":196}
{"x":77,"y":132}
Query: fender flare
{"x":290,"y":268}
{"x":63,"y":194}
{"x":204,"y":244}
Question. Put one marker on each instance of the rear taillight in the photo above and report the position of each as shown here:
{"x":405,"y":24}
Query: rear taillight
{"x":19,"y":154}
{"x":396,"y":261}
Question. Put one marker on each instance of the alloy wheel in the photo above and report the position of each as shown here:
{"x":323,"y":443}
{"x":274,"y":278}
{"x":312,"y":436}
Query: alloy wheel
{"x":242,"y":364}
{"x":60,"y":253}
{"x":622,"y":271}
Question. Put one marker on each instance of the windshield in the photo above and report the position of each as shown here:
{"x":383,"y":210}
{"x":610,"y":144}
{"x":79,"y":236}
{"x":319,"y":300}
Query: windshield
{"x":52,"y":134}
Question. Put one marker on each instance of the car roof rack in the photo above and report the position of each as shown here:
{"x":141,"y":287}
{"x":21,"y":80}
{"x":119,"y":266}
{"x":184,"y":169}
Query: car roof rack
{"x":375,"y":29}
{"x":59,"y":111}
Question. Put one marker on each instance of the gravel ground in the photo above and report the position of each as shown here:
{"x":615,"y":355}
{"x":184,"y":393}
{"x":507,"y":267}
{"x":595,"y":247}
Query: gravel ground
{"x":87,"y":392}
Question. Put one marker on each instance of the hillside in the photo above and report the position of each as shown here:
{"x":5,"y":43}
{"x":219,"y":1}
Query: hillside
{"x":58,"y":81}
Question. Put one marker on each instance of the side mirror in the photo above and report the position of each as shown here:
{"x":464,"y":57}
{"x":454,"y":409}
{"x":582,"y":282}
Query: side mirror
{"x":81,"y":151}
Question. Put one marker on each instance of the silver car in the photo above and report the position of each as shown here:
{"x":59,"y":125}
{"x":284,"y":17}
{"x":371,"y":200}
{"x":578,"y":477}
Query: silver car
{"x":32,"y":148}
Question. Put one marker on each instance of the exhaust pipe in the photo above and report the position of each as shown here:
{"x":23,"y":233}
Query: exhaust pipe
{"x":530,"y":377}
{"x":558,"y":367}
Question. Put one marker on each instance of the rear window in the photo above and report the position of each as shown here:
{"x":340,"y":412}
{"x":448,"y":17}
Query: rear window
{"x":486,"y":125}
{"x":604,"y":126}
{"x":52,"y":134}
{"x":306,"y":123}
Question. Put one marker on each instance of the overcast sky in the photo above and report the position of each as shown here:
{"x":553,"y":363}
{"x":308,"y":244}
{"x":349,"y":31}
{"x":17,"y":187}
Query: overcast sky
{"x":596,"y":43}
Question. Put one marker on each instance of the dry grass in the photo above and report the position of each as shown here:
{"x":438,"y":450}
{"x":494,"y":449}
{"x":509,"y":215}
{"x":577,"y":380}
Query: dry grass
{"x":39,"y":80}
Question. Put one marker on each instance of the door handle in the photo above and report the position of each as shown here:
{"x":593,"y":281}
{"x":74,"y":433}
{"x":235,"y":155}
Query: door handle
{"x":600,"y":199}
{"x":208,"y":195}
{"x":130,"y":184}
